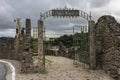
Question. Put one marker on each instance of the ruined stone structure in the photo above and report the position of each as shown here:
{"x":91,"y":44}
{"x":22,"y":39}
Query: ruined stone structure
{"x":6,"y":48}
{"x":18,"y":39}
{"x":107,"y":32}
{"x":23,"y":47}
{"x":26,"y":58}
{"x":63,"y":51}
{"x":19,"y":48}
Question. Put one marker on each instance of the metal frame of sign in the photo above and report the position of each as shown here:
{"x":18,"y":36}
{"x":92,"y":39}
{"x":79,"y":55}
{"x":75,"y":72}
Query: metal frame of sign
{"x":66,"y":12}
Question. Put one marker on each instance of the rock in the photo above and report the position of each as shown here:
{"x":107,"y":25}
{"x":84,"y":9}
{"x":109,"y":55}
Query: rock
{"x":6,"y":48}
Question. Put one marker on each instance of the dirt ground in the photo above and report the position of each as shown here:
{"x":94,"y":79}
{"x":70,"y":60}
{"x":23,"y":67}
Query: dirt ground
{"x":60,"y":68}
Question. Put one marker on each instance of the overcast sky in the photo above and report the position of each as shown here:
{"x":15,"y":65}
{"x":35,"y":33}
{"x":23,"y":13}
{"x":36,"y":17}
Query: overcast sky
{"x":12,"y":9}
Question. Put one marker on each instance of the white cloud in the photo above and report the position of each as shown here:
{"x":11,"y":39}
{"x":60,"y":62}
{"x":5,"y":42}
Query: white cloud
{"x":8,"y":33}
{"x":11,"y":9}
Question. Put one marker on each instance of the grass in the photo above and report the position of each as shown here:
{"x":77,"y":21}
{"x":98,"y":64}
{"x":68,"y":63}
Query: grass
{"x":35,"y":58}
{"x":44,"y":72}
{"x":47,"y":61}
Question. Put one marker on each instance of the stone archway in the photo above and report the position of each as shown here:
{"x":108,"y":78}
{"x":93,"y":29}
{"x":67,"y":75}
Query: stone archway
{"x":69,"y":13}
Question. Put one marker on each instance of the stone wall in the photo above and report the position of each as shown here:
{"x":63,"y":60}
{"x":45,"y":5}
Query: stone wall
{"x":20,"y":47}
{"x":24,"y":54}
{"x":26,"y":57}
{"x":18,"y":40}
{"x":108,"y":45}
{"x":6,"y":48}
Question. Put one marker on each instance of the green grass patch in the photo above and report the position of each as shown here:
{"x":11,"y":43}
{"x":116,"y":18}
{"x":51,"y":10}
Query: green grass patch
{"x":48,"y":61}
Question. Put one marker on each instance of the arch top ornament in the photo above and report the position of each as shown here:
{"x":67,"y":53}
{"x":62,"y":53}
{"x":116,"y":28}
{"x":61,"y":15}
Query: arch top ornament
{"x":65,"y":13}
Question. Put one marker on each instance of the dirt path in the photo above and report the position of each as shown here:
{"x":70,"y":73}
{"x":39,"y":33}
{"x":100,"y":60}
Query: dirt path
{"x":60,"y":68}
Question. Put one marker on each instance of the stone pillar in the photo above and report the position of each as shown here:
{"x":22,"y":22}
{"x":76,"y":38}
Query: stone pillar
{"x":27,"y":65}
{"x":28,"y":27}
{"x":17,"y":38}
{"x":41,"y":60}
{"x":18,"y":29}
{"x":27,"y":40}
{"x":92,"y":45}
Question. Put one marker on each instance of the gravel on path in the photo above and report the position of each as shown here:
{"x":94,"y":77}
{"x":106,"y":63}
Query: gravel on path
{"x":61,"y":68}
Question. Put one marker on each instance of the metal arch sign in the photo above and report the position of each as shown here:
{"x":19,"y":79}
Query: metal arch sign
{"x":67,"y":13}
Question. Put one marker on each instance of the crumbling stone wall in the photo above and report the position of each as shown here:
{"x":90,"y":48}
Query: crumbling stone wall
{"x":20,"y":47}
{"x":108,"y":45}
{"x":6,"y":48}
{"x":23,"y":47}
{"x":63,"y":51}
{"x":26,"y":57}
{"x":18,"y":40}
